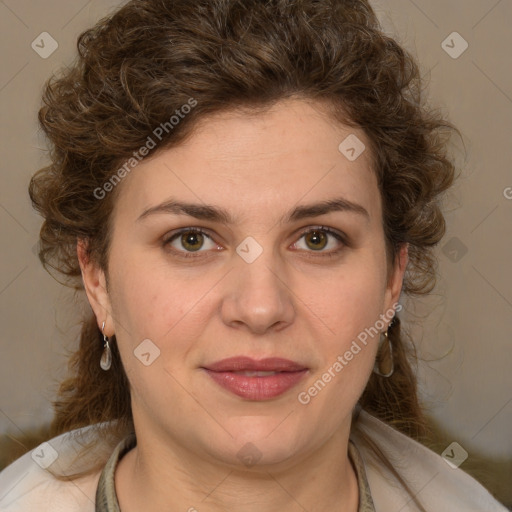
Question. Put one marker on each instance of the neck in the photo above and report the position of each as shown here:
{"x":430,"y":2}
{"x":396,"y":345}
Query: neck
{"x":153,"y":476}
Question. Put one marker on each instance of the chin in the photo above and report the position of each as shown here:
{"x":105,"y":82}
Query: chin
{"x":258,"y":441}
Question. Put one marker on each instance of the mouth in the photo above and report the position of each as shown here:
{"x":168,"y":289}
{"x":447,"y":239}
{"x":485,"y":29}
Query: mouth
{"x":255,"y":374}
{"x":256,"y":379}
{"x":244,"y":364}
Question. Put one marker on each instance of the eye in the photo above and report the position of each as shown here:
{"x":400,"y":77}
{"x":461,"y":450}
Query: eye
{"x":192,"y":240}
{"x":189,"y":241}
{"x":318,"y":238}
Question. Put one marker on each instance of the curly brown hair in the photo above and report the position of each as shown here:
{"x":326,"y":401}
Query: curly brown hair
{"x":140,"y":65}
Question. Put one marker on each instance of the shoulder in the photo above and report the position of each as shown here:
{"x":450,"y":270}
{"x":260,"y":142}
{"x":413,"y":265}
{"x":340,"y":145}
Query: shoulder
{"x":30,"y":483}
{"x":437,"y":485}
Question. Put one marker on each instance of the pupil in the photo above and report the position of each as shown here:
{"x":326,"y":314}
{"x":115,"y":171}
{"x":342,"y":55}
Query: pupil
{"x":190,"y":239}
{"x":317,"y":237}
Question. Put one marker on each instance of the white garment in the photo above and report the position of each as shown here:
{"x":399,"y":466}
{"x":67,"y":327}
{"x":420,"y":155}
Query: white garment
{"x":26,"y":487}
{"x":438,"y":486}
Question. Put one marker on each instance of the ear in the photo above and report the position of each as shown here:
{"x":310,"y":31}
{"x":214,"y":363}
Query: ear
{"x":95,"y":285}
{"x":396,"y":279}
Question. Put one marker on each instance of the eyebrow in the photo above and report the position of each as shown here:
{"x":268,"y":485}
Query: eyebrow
{"x":217,"y":214}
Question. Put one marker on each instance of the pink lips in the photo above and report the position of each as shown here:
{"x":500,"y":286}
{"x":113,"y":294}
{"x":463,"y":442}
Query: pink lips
{"x":228,"y":373}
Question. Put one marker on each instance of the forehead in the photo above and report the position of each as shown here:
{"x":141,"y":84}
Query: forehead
{"x":258,"y":165}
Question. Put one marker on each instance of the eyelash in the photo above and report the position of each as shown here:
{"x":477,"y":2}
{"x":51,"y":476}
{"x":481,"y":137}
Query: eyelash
{"x":331,"y":254}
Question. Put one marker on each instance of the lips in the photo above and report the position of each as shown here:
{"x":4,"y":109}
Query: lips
{"x":270,"y":364}
{"x":256,"y":380}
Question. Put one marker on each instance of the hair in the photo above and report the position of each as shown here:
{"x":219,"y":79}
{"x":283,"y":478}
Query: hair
{"x":146,"y":62}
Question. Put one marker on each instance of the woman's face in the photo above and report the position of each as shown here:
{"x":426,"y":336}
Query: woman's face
{"x":257,"y":282}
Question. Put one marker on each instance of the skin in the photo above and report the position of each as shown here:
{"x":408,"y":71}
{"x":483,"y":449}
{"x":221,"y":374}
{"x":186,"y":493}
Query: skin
{"x":292,"y":302}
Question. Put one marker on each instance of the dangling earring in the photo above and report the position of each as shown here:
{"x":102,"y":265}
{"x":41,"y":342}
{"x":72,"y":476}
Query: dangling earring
{"x":106,"y":357}
{"x":384,"y":364}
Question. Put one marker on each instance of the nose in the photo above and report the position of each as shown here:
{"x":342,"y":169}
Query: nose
{"x":257,"y":297}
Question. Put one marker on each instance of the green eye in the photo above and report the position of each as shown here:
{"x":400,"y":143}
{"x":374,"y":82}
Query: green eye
{"x":318,"y":238}
{"x":192,"y":240}
{"x":188,"y":241}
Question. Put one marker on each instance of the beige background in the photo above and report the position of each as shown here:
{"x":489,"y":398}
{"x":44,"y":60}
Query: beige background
{"x":468,"y":319}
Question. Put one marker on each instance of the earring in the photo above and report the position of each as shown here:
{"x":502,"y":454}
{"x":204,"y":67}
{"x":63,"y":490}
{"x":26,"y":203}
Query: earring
{"x":384,"y":364}
{"x":106,"y":357}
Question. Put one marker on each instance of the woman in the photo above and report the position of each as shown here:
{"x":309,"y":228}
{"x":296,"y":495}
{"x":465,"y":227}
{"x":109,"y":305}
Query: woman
{"x":243,"y":190}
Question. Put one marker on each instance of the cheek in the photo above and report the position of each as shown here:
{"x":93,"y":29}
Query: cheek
{"x":353,"y":300}
{"x":347,"y":358}
{"x":351,"y":309}
{"x":144,"y":300}
{"x":168,"y":307}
